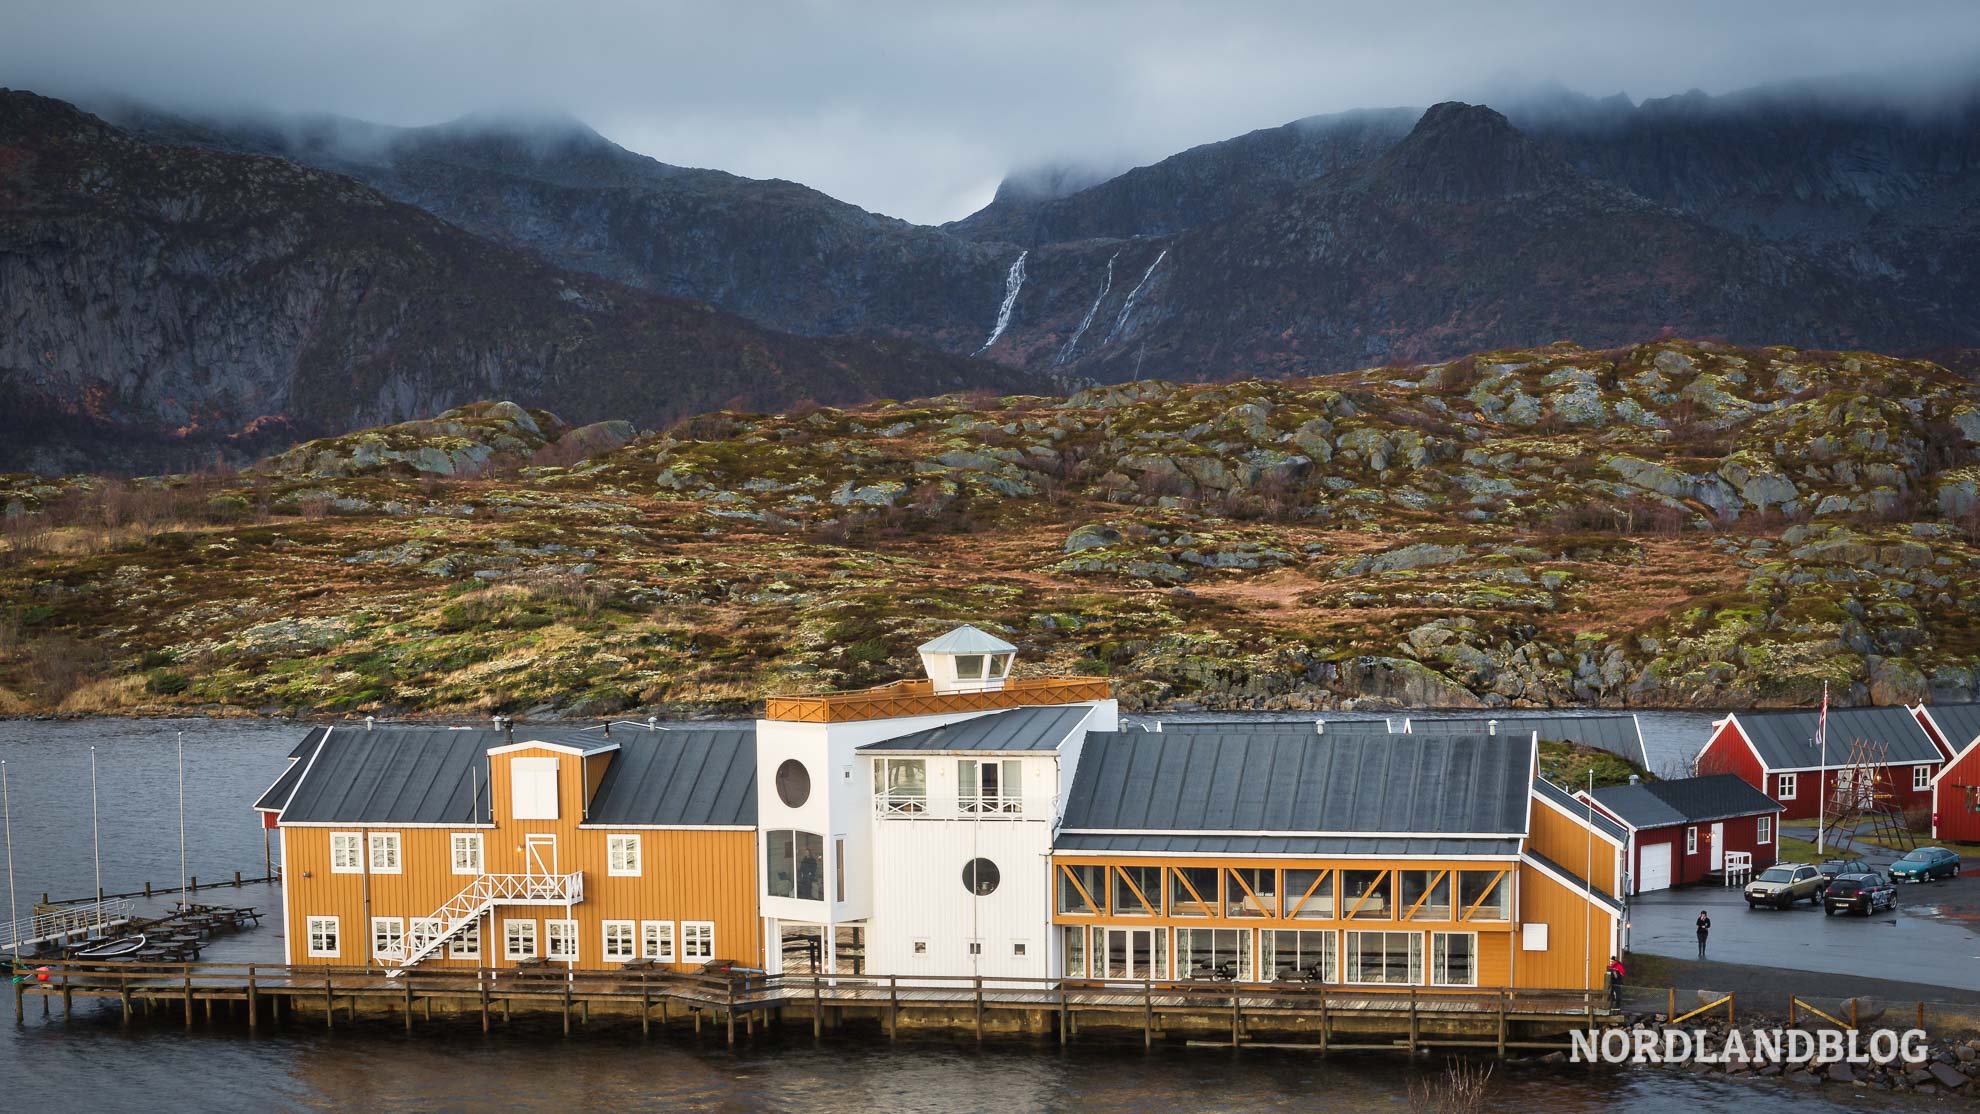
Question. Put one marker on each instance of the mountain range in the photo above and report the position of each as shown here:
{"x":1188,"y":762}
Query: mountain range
{"x":172,"y":277}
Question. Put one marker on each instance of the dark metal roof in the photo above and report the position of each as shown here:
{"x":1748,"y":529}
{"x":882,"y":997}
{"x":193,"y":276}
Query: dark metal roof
{"x":1579,"y":810}
{"x":1372,"y":846}
{"x":1617,"y":734}
{"x":691,"y":777}
{"x":278,"y":793}
{"x":1015,"y":729}
{"x":1274,"y":782}
{"x":309,"y":740}
{"x":1686,"y":800}
{"x":1578,"y":882}
{"x":1786,"y":740}
{"x":1288,"y":726}
{"x":1960,"y":723}
{"x":419,"y":775}
{"x":399,"y":775}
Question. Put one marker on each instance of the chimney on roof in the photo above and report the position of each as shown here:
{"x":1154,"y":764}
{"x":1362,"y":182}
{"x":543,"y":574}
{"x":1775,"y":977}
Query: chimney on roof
{"x":1491,"y":727}
{"x":367,"y":723}
{"x":1633,"y":779}
{"x":653,"y":723}
{"x":608,"y":728}
{"x":1319,"y":727}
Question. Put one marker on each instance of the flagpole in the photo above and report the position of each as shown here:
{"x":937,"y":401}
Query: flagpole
{"x":95,"y":839}
{"x":183,"y":893}
{"x":1822,"y":774}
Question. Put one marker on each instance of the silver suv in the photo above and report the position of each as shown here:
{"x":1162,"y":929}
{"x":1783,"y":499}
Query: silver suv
{"x":1783,"y":884}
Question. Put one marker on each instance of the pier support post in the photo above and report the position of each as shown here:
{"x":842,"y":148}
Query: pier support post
{"x":1412,"y":1021}
{"x":1235,"y":998}
{"x":1326,"y":1024}
{"x":979,"y":1009}
{"x":20,"y":1003}
{"x":645,"y":1007}
{"x":567,"y":1009}
{"x":253,"y":1002}
{"x":1147,"y":1014}
{"x":1064,"y":1016}
{"x":329,"y":1003}
{"x":484,"y":1002}
{"x":817,"y":1006}
{"x":189,"y":1014}
{"x":409,"y":1003}
{"x":124,"y":992}
{"x":1502,"y":1024}
{"x":893,"y":1007}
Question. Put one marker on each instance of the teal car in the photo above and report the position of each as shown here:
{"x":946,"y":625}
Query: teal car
{"x":1925,"y":864}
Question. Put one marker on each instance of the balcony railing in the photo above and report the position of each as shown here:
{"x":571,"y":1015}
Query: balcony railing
{"x":900,"y":804}
{"x":919,"y":698}
{"x":992,"y":805}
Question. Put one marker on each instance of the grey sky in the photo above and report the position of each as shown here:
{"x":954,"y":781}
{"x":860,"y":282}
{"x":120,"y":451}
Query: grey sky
{"x":916,"y":109}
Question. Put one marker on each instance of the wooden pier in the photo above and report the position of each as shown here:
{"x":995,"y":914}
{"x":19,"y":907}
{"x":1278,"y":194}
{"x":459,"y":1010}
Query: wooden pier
{"x":1324,"y":1019}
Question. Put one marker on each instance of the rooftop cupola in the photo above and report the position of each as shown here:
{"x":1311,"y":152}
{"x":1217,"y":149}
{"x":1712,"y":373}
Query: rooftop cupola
{"x":967,"y":660}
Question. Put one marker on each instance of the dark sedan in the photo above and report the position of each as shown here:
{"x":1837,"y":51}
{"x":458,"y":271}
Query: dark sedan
{"x":1859,"y":893}
{"x":1925,"y":864}
{"x":1835,"y":868}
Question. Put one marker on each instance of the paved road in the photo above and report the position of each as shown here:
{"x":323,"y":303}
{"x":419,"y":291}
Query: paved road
{"x":1933,"y":936}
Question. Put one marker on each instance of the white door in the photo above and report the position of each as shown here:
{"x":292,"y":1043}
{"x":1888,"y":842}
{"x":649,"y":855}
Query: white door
{"x":1719,"y":846}
{"x":1130,"y":953}
{"x":1656,"y":873}
{"x":540,"y":854}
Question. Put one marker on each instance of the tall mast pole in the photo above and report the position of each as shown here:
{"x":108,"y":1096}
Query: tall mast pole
{"x":95,"y":838}
{"x":1822,"y":775}
{"x":7,"y":805}
{"x":184,"y":895}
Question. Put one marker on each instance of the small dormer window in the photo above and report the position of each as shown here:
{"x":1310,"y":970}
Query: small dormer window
{"x":1000,"y":664}
{"x":969,"y":667}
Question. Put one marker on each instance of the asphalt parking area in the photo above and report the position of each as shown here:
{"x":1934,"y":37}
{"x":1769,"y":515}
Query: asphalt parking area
{"x":1933,"y":936}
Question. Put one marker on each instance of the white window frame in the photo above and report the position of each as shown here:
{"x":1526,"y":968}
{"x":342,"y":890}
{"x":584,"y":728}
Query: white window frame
{"x":346,"y":852}
{"x":1921,"y":778}
{"x":620,"y":940}
{"x":1789,"y":784}
{"x":1763,"y":830}
{"x":1440,"y":959}
{"x":510,"y":936}
{"x":467,"y":943}
{"x":1007,"y":800}
{"x":1351,"y":953}
{"x":1691,"y":840}
{"x":656,"y":941}
{"x":560,"y":941}
{"x":321,"y":929}
{"x":622,"y":855}
{"x":697,"y":941}
{"x":421,"y":929}
{"x":387,"y":853}
{"x":470,"y":842}
{"x":390,"y":928}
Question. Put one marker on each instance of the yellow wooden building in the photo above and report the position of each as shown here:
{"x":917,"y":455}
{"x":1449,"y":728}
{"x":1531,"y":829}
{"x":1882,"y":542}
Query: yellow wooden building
{"x":1251,"y":854}
{"x":476,"y":848}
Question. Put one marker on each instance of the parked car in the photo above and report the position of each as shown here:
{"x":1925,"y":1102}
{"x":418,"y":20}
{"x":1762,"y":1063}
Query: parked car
{"x":1834,"y":868}
{"x":1925,"y":864}
{"x":1783,"y":884}
{"x":1859,"y":892}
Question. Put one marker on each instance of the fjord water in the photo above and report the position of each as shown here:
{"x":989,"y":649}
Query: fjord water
{"x":163,"y":1066}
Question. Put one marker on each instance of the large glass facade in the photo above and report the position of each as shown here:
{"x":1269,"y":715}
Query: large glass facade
{"x":794,"y":864}
{"x":1384,"y":958}
{"x":1215,"y":954}
{"x":1298,"y":956}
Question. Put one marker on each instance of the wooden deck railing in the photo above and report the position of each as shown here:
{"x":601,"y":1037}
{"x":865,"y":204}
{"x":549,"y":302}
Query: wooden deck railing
{"x":919,"y":698}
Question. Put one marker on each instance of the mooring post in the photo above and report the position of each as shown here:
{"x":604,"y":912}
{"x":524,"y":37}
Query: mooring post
{"x":147,"y":889}
{"x":329,"y":1003}
{"x":189,"y":1015}
{"x":482,"y":978}
{"x":567,"y":1007}
{"x":237,"y":879}
{"x":893,"y":1007}
{"x":979,"y":1008}
{"x":1063,"y":1035}
{"x":1412,"y":1020}
{"x":409,"y":1003}
{"x":124,"y":993}
{"x":1236,"y":997}
{"x":1326,"y":1023}
{"x":817,"y":1006}
{"x":1671,"y":1006}
{"x":729,"y":992}
{"x":1502,"y":995}
{"x":645,"y":1006}
{"x":20,"y":1003}
{"x":252,"y":1003}
{"x":1147,"y":1014}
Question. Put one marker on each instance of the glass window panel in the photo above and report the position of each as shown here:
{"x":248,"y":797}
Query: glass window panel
{"x":1454,"y":958}
{"x":1251,"y":892}
{"x":1074,"y":936}
{"x":1488,"y":891}
{"x":810,"y":866}
{"x":1385,"y":958}
{"x":1192,"y":891}
{"x":1137,"y":891}
{"x":1317,"y":889}
{"x":1072,"y":879}
{"x":1000,"y":664}
{"x":780,"y":863}
{"x":1297,"y":956}
{"x":969,"y":667}
{"x":1428,"y":892}
{"x":1367,"y":895}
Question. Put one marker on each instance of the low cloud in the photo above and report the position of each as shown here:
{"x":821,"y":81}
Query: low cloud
{"x":916,"y":109}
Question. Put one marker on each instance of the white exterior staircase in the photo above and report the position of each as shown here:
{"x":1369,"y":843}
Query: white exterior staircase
{"x":484,"y":893}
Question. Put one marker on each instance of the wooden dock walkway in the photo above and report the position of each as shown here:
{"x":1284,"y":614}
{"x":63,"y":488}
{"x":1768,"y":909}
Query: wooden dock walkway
{"x":1324,"y":1018}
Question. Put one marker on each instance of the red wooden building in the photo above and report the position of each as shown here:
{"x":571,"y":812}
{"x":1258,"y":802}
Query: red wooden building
{"x":1778,"y":754}
{"x":1956,"y":787}
{"x":1681,"y":830}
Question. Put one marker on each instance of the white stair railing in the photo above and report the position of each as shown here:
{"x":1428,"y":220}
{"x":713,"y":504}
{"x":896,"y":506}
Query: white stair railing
{"x":484,"y":893}
{"x":55,"y":924}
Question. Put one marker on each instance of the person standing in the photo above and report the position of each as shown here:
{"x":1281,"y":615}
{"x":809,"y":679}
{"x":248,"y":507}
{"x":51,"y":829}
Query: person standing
{"x":1616,"y":973}
{"x":1704,"y":930}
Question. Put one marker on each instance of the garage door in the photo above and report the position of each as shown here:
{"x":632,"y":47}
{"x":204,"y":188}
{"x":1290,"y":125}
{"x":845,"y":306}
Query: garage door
{"x":1656,"y":867}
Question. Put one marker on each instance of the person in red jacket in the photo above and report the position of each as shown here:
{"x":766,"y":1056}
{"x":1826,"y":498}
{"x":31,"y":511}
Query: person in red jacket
{"x":1616,"y":973}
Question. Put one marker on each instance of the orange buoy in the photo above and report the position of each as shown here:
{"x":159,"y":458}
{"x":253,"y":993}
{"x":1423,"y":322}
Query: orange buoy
{"x":41,"y":974}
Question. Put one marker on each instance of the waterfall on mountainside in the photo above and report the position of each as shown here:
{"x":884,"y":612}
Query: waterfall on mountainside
{"x":1013,"y":282}
{"x":1127,"y":307}
{"x":1066,"y":353}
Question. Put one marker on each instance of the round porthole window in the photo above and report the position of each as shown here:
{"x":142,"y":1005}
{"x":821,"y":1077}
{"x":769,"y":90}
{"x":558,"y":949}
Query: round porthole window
{"x":793,"y":783}
{"x":980,"y":877}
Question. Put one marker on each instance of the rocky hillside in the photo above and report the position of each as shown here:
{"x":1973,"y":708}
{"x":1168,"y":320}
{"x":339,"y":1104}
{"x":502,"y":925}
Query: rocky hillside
{"x":1799,"y":215}
{"x":161,"y":295}
{"x":1669,"y":525}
